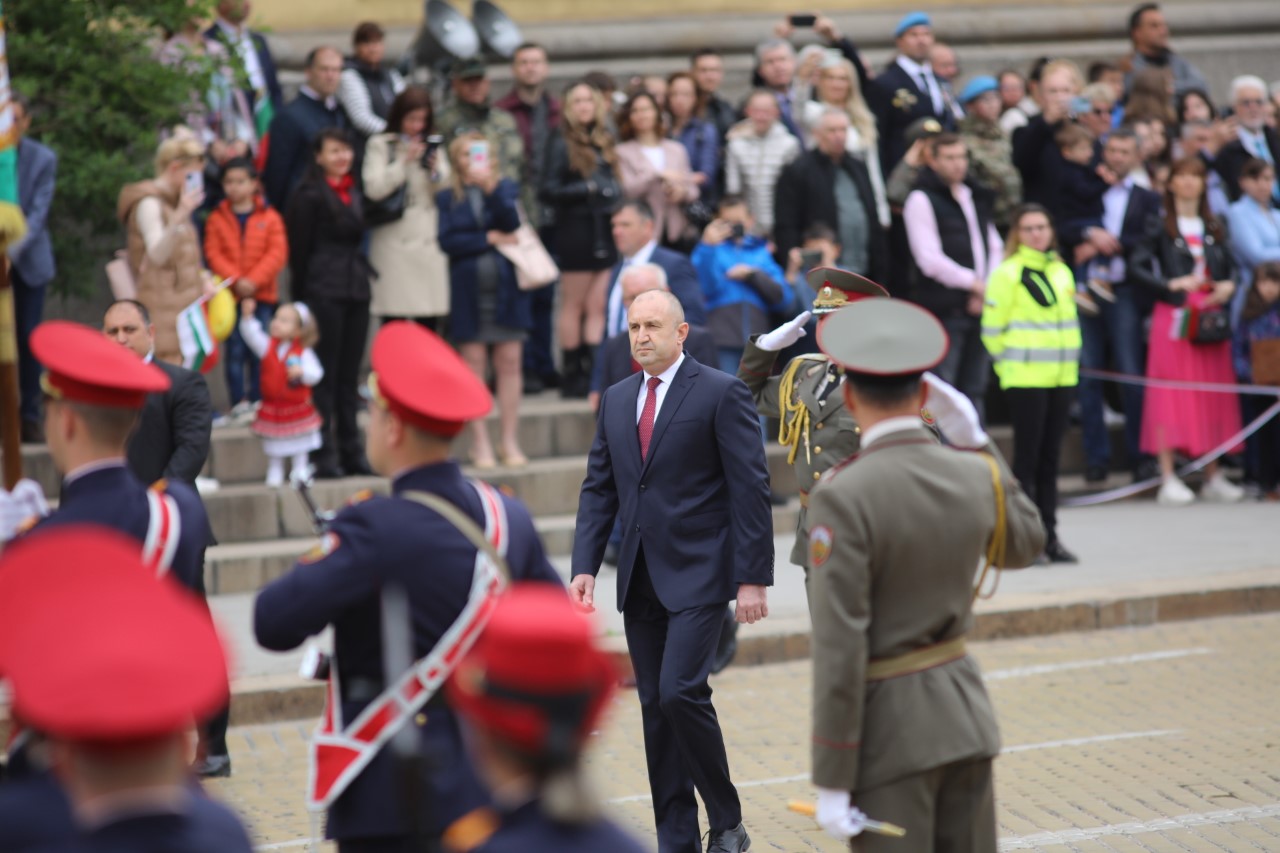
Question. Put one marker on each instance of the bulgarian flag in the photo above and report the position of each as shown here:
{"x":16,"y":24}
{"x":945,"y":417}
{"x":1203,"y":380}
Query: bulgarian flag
{"x":202,"y":326}
{"x":12,"y":223}
{"x":263,"y":113}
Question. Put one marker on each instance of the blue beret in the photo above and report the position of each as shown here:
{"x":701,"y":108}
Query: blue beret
{"x":978,"y":86}
{"x":912,"y":19}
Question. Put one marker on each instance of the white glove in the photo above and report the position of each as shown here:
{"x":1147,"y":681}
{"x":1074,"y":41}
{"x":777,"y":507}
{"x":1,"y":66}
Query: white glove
{"x":954,"y":414}
{"x":26,"y":500}
{"x":785,"y":335}
{"x":837,"y":815}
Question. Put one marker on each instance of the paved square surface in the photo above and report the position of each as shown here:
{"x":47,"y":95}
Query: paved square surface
{"x":1152,"y":739}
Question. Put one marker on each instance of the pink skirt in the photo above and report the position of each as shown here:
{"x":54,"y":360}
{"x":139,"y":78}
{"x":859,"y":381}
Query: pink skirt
{"x":1192,"y":422}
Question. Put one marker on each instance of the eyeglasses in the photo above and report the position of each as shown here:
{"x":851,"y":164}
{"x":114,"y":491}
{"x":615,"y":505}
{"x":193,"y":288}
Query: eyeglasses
{"x":1100,"y":112}
{"x":1250,"y":102}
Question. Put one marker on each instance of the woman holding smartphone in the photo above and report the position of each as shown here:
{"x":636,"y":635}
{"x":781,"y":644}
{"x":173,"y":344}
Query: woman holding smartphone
{"x":413,"y":277}
{"x":490,"y":315}
{"x":163,"y":247}
{"x":579,"y":182}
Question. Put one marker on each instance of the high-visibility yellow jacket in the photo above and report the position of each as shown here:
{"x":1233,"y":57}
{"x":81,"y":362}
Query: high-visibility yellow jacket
{"x":1029,"y":321}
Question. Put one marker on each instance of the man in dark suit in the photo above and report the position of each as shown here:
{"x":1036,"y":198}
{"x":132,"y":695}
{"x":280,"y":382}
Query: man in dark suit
{"x":907,"y":89}
{"x":229,"y":30}
{"x":171,"y":443}
{"x":1253,"y":137}
{"x":636,"y":238}
{"x":294,"y":129}
{"x":32,"y":259}
{"x":678,"y":458}
{"x":1104,"y":252}
{"x":831,"y":186}
{"x":172,"y":438}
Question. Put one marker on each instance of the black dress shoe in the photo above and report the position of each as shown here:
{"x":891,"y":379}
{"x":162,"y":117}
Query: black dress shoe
{"x":1095,"y":474}
{"x":213,"y":767}
{"x":727,"y":647}
{"x":357,"y":466}
{"x":1147,"y":469}
{"x":733,"y":840}
{"x":1058,"y":554}
{"x":533,"y":384}
{"x":611,"y":555}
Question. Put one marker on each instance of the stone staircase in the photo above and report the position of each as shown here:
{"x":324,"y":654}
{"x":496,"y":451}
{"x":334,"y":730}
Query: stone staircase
{"x":261,"y":530}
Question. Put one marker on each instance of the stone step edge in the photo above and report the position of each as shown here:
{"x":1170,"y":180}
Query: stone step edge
{"x":275,"y":698}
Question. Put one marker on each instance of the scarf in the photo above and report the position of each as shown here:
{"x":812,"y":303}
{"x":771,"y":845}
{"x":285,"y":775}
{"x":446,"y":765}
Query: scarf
{"x":341,"y":186}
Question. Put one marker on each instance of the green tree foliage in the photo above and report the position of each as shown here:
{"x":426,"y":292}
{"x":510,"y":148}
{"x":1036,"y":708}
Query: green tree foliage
{"x":99,"y":100}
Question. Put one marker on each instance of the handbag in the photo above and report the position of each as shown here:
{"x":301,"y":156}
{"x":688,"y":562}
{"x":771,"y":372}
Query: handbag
{"x":534,"y":267}
{"x":384,"y":211}
{"x":1264,"y":360}
{"x":120,"y":277}
{"x":1208,"y":326}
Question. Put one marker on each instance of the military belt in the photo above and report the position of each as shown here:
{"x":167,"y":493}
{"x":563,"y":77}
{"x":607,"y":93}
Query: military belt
{"x":917,"y":660}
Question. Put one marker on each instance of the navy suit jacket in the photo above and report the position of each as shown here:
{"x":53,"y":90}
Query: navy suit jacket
{"x":173,"y":433}
{"x":614,"y":359}
{"x":698,"y":504}
{"x":32,"y":256}
{"x":890,"y":96}
{"x":682,"y":278}
{"x":265,"y":60}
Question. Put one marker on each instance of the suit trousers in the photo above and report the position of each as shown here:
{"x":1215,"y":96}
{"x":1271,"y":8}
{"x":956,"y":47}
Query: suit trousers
{"x":672,"y":653}
{"x":949,"y":809}
{"x":1117,"y":328}
{"x":1039,"y":417}
{"x":344,"y":329}
{"x":966,"y":364}
{"x":28,"y":308}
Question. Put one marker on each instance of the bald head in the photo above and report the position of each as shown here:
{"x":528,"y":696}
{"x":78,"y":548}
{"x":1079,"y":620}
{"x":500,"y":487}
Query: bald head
{"x":640,"y":278}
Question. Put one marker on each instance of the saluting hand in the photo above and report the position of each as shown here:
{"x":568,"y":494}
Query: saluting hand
{"x":752,"y":603}
{"x":582,"y":592}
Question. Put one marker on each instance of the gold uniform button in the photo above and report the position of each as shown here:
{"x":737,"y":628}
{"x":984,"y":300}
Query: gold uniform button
{"x":816,"y":475}
{"x":820,"y":426}
{"x":421,"y":719}
{"x":817,"y":450}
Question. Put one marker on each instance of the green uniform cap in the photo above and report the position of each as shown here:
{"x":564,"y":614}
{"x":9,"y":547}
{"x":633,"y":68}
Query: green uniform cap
{"x":836,"y":288}
{"x":883,"y":337}
{"x":467,"y":69}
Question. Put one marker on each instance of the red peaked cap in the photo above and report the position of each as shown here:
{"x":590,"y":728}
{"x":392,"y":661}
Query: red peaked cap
{"x":82,"y":365}
{"x":535,"y":678}
{"x":424,"y":381}
{"x":96,"y":648}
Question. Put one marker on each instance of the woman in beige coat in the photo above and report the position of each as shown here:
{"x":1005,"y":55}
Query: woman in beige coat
{"x":413,"y":274}
{"x":162,"y":245}
{"x":655,"y":169}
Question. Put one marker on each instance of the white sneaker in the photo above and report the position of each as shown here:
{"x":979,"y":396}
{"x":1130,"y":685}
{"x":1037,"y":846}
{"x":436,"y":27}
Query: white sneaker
{"x":1111,"y":417}
{"x":275,"y":479}
{"x":1174,"y":492}
{"x":242,"y":413}
{"x":206,"y":485}
{"x":1220,"y":490}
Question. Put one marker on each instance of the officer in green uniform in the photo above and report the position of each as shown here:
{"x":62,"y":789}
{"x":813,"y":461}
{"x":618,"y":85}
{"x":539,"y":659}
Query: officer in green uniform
{"x":470,"y":111}
{"x":902,"y":725}
{"x":805,"y":396}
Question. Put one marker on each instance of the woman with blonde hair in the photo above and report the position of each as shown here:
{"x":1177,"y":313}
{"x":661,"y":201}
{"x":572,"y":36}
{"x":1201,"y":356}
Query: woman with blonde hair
{"x":579,"y":183}
{"x":837,"y":86}
{"x":489,"y":313}
{"x":162,"y":246}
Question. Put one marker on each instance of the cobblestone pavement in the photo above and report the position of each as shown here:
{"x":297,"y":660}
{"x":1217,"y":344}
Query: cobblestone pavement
{"x":1152,"y":739}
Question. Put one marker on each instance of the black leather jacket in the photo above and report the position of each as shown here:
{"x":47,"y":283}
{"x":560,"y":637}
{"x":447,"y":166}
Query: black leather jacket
{"x":1159,"y":258}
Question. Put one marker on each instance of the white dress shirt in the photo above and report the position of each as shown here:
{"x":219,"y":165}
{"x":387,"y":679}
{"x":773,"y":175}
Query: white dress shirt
{"x":661,"y":391}
{"x":916,"y":71}
{"x":616,"y":323}
{"x":239,"y":38}
{"x":1115,"y":203}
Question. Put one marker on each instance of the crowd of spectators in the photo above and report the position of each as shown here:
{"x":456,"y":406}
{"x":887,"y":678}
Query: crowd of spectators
{"x":397,"y":203}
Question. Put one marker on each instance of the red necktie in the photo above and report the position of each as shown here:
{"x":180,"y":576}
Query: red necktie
{"x":646,"y":416}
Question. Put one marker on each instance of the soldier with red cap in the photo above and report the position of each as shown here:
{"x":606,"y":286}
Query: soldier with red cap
{"x":806,"y":396}
{"x":438,"y":538}
{"x":532,"y":691}
{"x":114,"y":666}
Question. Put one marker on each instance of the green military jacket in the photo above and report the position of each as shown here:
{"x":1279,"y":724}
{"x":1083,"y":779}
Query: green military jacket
{"x":831,"y":435}
{"x":991,"y":164}
{"x":895,"y":537}
{"x":496,"y":124}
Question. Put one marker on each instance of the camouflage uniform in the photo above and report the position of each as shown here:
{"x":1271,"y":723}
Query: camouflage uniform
{"x":496,"y":124}
{"x":991,"y":164}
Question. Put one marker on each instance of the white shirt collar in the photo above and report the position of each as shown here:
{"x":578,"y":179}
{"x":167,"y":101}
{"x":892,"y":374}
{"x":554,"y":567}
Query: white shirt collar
{"x":92,"y":467}
{"x":643,"y":255}
{"x":670,"y":373}
{"x":231,"y":29}
{"x":330,"y":103}
{"x":915,"y":69}
{"x":890,"y":425}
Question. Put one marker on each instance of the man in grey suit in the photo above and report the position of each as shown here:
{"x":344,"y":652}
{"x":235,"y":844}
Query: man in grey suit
{"x":32,"y":259}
